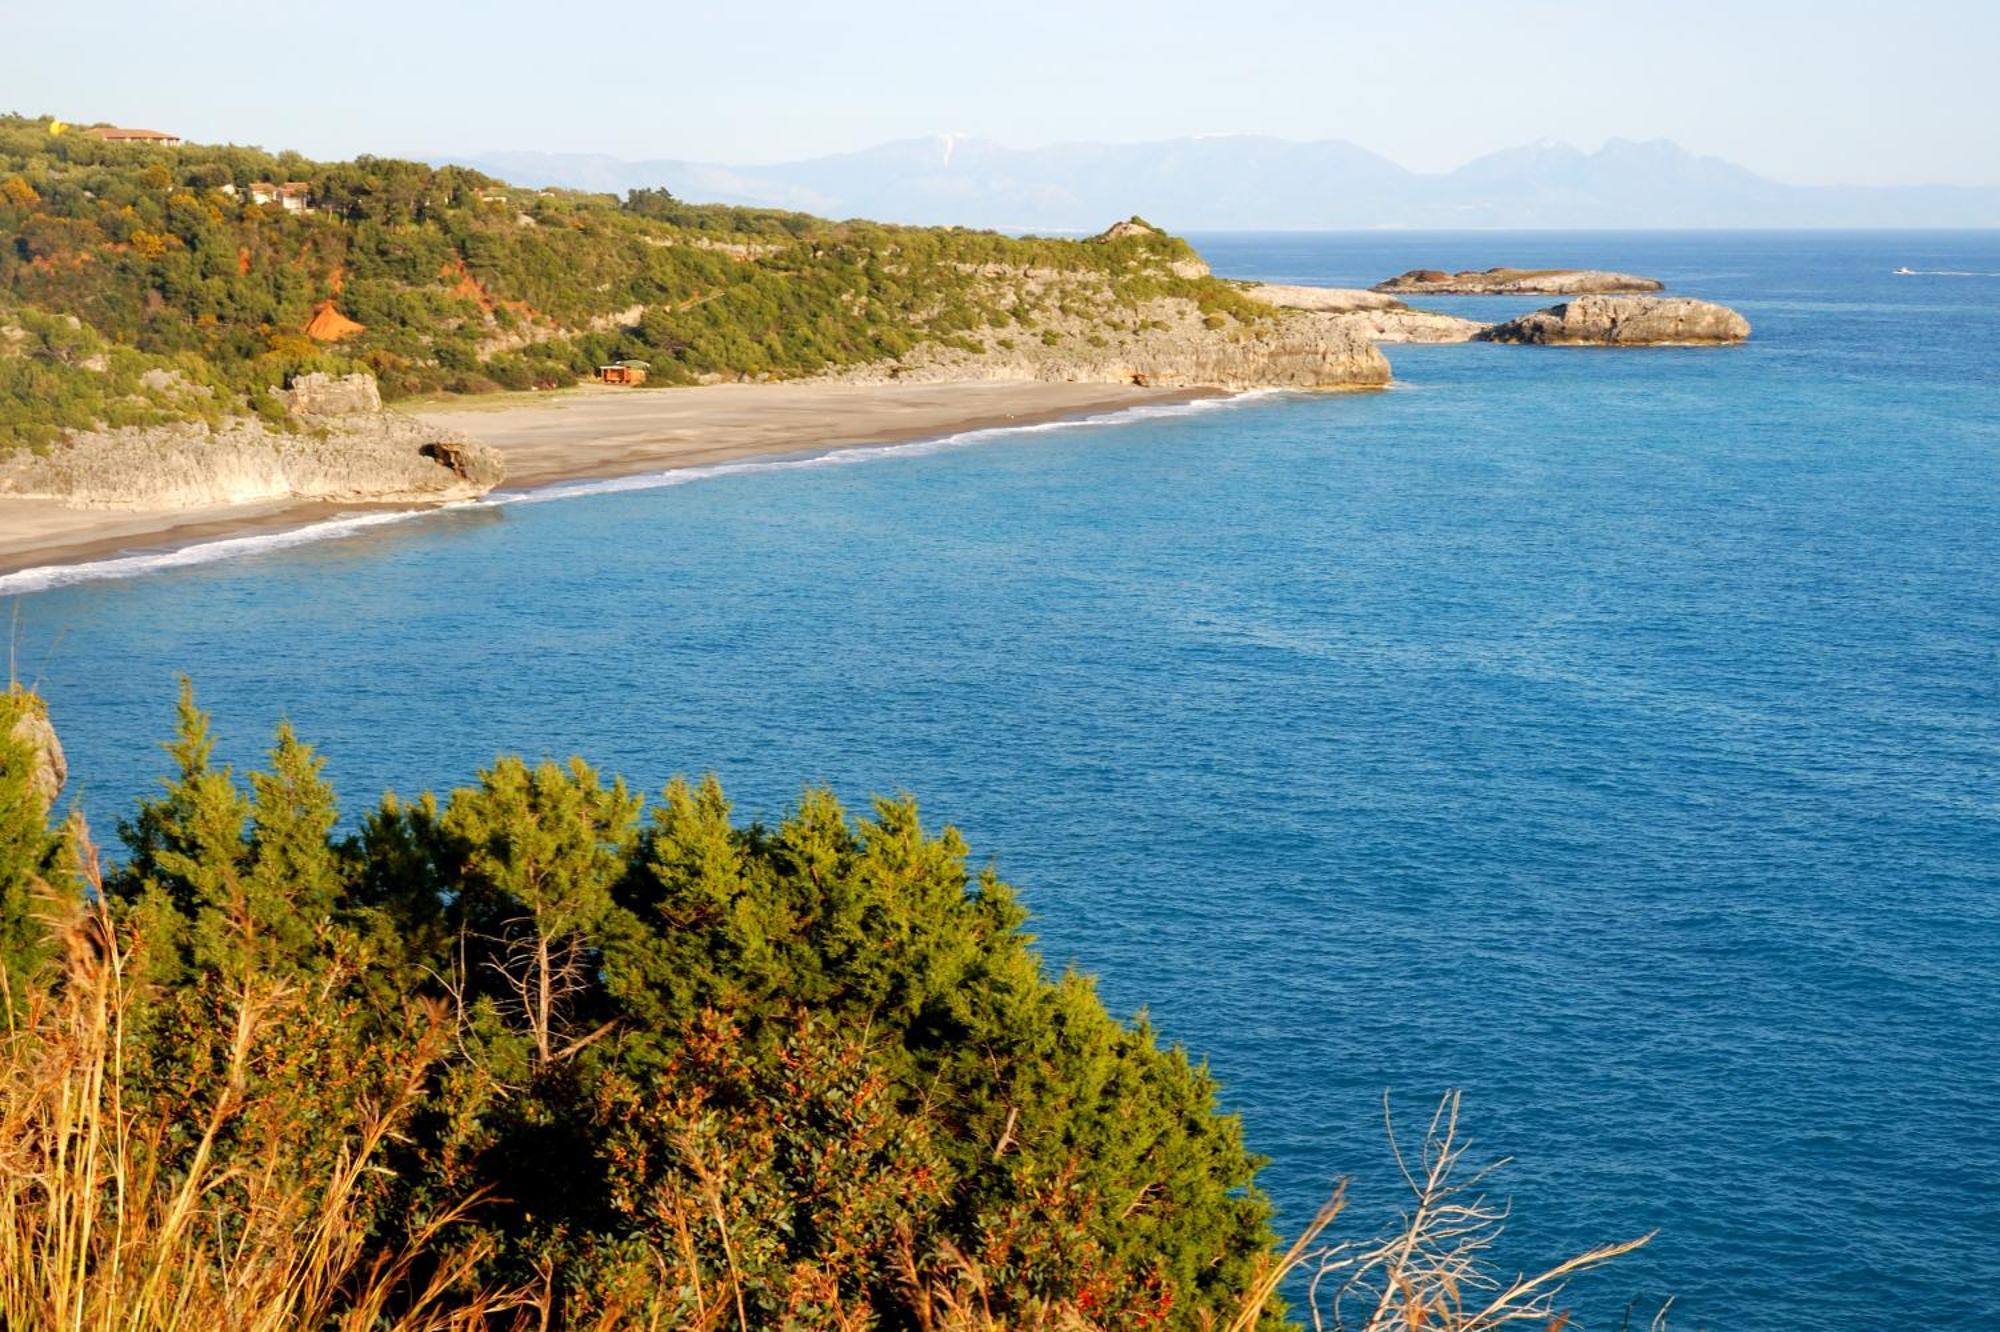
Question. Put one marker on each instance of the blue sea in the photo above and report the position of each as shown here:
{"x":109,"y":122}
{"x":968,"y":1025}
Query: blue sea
{"x":1614,"y":735}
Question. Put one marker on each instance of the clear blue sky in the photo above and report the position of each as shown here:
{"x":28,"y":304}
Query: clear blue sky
{"x":1814,"y":92}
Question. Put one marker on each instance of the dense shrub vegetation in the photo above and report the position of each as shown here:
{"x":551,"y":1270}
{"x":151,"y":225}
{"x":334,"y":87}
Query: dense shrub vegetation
{"x":813,"y":1069}
{"x":531,"y":1056}
{"x":464,"y":284}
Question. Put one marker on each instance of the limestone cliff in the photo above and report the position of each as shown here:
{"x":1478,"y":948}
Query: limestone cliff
{"x":1626,"y":321}
{"x":329,"y":395}
{"x":344,"y":449}
{"x":1151,"y":316}
{"x":1165,"y":343}
{"x":1375,"y":316}
{"x":1322,"y":300}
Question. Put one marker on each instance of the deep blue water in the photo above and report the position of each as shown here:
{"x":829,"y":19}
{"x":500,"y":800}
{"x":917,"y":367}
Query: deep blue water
{"x":1612,"y":734}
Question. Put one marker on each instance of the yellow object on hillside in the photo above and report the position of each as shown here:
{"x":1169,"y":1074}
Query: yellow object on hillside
{"x":329,"y":325}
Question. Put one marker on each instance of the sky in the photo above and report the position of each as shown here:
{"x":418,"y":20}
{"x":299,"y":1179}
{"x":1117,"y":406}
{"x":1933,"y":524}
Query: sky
{"x":1806,"y":91}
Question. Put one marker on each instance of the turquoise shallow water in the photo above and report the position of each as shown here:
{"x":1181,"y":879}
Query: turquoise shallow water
{"x":1615,"y":735}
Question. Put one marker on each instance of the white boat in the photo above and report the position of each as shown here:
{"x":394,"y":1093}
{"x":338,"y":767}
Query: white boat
{"x":1904,"y":272}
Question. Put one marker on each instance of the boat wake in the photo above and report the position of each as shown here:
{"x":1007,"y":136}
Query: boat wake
{"x":42,"y":578}
{"x":1939,"y":272}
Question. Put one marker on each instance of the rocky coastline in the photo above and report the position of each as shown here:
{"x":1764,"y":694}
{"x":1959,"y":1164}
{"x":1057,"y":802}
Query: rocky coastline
{"x":1516,"y":282}
{"x":334,"y":443}
{"x":341,"y":446}
{"x":1167,"y":345}
{"x":1373,"y":315}
{"x":1593,"y":320}
{"x":1625,"y":321}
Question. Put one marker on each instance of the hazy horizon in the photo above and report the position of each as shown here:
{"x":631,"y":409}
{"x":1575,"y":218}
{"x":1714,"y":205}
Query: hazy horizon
{"x":1587,"y":147}
{"x":1430,"y":86}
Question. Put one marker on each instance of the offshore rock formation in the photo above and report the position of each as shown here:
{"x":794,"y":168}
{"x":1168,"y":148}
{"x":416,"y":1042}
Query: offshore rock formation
{"x":1377,"y":317}
{"x":350,"y":452}
{"x":1516,"y":282}
{"x":1626,"y":321}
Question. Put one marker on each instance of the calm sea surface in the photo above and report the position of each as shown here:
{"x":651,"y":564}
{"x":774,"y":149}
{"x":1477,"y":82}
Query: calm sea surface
{"x":1615,"y":735}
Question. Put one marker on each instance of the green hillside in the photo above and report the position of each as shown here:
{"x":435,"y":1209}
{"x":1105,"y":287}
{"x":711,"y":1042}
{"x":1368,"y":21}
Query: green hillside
{"x":120,"y":259}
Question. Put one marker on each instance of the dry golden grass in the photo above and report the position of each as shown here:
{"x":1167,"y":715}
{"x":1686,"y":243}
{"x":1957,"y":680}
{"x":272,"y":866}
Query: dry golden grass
{"x":98,"y":1233}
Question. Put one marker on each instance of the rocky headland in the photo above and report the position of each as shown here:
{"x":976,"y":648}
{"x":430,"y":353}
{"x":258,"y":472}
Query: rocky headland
{"x":1625,"y":321}
{"x":1320,"y":300}
{"x":1515,"y":282}
{"x":341,"y":446}
{"x":1076,"y":328}
{"x":1595,"y":320}
{"x":1375,"y":316}
{"x":1172,"y":350}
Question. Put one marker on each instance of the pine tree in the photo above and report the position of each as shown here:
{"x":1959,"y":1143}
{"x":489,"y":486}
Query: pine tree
{"x":297,"y":876}
{"x":539,"y":851}
{"x":1058,"y":1119}
{"x":187,"y":876}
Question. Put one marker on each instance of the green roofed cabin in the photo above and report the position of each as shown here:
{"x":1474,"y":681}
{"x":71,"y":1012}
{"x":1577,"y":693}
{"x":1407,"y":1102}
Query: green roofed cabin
{"x":623,"y":372}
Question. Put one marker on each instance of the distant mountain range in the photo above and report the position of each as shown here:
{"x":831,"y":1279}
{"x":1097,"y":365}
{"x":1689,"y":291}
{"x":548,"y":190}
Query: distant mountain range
{"x":1249,"y":182}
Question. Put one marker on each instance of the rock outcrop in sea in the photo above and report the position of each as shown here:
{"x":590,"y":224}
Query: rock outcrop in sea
{"x":1515,"y":282}
{"x":1625,"y":321}
{"x":343,"y":449}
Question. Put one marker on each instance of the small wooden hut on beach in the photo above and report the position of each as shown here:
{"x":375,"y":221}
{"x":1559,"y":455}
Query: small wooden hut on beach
{"x":623,"y":372}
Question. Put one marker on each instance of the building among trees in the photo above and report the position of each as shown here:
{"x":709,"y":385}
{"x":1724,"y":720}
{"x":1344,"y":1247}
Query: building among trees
{"x":294,"y":196}
{"x":113,"y":134}
{"x":623,"y":372}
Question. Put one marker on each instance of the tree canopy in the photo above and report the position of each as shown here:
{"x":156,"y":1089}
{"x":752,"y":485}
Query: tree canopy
{"x":663,"y":1053}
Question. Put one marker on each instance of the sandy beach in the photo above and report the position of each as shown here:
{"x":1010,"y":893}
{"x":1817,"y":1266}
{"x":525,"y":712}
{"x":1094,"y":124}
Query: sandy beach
{"x":599,"y":432}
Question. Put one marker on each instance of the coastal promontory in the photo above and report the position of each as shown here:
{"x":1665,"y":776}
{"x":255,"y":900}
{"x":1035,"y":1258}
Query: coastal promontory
{"x":1142,"y":310}
{"x":1373,"y":315}
{"x":1515,"y":282}
{"x":1168,"y":344}
{"x":1626,"y":321}
{"x":333,"y":442}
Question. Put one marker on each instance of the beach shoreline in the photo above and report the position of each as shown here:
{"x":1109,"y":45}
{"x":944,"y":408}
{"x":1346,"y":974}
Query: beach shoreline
{"x":597,"y":433}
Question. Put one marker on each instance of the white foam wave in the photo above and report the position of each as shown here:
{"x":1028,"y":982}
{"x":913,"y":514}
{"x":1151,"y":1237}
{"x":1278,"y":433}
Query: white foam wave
{"x":208,"y":552}
{"x":564,"y":490}
{"x":332,"y":529}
